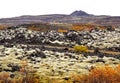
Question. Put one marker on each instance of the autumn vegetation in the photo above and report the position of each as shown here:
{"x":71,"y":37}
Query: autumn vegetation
{"x":101,"y":74}
{"x":86,"y":27}
{"x":80,"y":48}
{"x":63,"y":27}
{"x":3,"y":27}
{"x":26,"y":75}
{"x":62,"y":30}
{"x":39,"y":27}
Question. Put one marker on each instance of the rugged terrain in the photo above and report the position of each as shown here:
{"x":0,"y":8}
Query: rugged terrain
{"x":53,"y":48}
{"x":51,"y":53}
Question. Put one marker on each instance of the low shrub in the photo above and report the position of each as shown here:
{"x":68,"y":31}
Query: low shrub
{"x":62,"y":30}
{"x":80,"y":49}
{"x":104,"y":74}
{"x":26,"y":75}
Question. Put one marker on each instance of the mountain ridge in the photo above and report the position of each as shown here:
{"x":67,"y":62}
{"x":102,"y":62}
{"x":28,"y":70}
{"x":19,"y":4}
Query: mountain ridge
{"x":74,"y":17}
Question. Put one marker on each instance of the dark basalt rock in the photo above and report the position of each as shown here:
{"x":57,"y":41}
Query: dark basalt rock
{"x":117,"y":56}
{"x":14,"y":67}
{"x":71,"y":36}
{"x":12,"y":75}
{"x":66,"y":78}
{"x":100,"y":60}
{"x":117,"y":49}
{"x":65,"y":49}
{"x":1,"y":69}
{"x":110,"y":28}
{"x":8,"y":45}
{"x":38,"y":54}
{"x":96,"y":51}
{"x":69,"y":55}
{"x":7,"y":70}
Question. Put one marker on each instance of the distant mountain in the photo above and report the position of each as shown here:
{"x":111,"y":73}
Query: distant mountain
{"x":75,"y":17}
{"x":79,"y":13}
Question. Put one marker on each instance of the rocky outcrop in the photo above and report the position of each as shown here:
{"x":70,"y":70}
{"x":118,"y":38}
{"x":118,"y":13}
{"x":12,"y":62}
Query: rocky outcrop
{"x":103,"y":39}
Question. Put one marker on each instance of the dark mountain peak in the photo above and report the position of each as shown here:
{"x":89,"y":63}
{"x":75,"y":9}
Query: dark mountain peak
{"x":79,"y":13}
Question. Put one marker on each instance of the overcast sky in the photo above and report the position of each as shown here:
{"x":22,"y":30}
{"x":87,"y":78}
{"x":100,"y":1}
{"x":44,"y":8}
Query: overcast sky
{"x":12,"y":8}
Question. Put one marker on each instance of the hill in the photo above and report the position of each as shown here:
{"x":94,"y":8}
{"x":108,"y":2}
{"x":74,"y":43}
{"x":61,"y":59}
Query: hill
{"x":79,"y":13}
{"x":75,"y":17}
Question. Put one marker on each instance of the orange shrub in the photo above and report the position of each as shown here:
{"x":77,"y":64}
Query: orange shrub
{"x":77,"y":28}
{"x":3,"y":27}
{"x":100,"y":75}
{"x":62,"y":30}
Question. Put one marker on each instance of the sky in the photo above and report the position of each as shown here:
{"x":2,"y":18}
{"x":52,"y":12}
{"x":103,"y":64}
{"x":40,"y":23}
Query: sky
{"x":13,"y":8}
